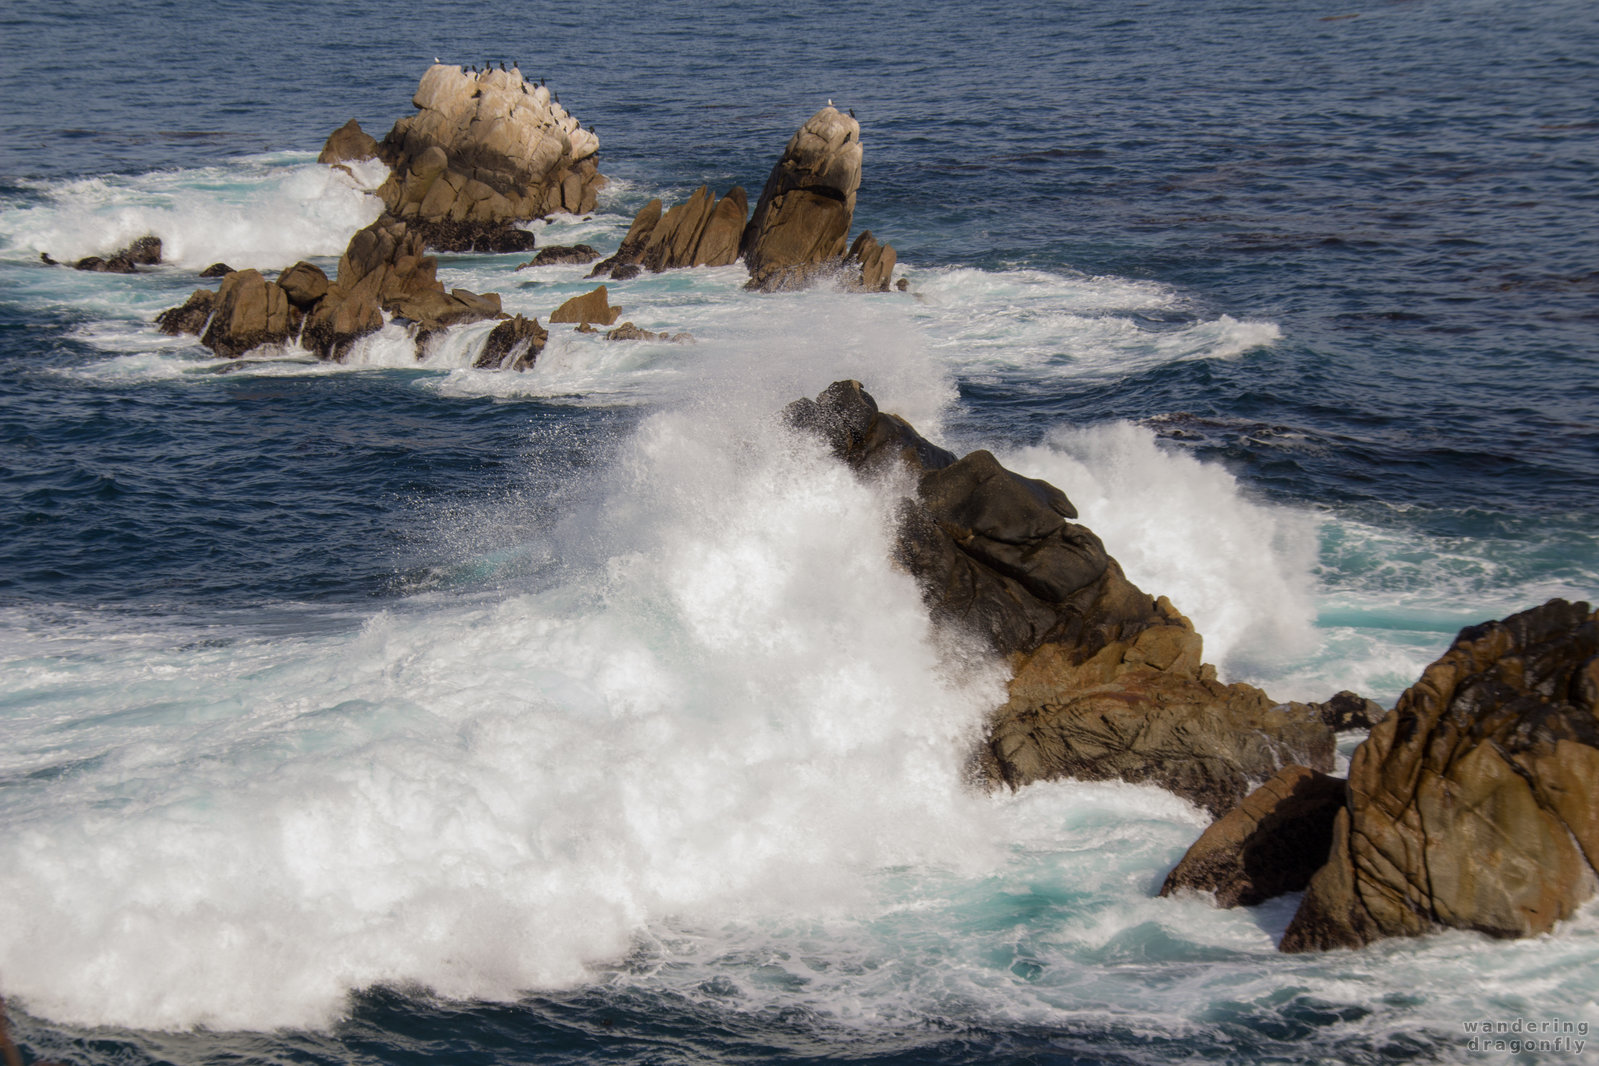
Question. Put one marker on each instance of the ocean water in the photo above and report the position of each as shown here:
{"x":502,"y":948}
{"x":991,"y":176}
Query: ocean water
{"x":400,"y":712}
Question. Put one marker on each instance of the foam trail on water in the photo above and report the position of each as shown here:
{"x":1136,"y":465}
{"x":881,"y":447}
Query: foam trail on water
{"x":1240,"y":570}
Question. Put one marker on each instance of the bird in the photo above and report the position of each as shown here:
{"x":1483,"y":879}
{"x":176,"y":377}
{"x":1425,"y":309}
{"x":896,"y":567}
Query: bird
{"x":437,"y":60}
{"x":502,"y":66}
{"x":852,"y":112}
{"x":829,"y":101}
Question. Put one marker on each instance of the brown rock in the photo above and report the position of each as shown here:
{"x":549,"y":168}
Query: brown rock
{"x":514,"y":344}
{"x":803,"y":215}
{"x":485,"y":238}
{"x":487,"y":147}
{"x":719,"y":240}
{"x":249,"y":312}
{"x":631,"y":250}
{"x":191,"y":317}
{"x":1107,"y":680}
{"x":1268,"y":845}
{"x":349,"y":143}
{"x":627,"y":331}
{"x":1472,"y":804}
{"x":1347,"y":711}
{"x":677,"y":235}
{"x":869,"y":266}
{"x":216,"y":270}
{"x":591,"y":307}
{"x":304,"y":284}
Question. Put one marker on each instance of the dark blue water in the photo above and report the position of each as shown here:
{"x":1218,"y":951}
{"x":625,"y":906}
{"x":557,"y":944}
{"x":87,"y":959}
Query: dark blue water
{"x":1407,"y":190}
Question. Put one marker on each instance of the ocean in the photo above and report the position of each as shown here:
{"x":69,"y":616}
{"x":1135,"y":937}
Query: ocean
{"x":401,"y":712}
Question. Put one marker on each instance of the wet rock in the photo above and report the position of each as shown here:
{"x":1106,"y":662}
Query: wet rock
{"x":1349,"y":711}
{"x":591,"y":307}
{"x":1472,"y":804}
{"x":802,"y":218}
{"x":499,"y":237}
{"x":216,"y":270}
{"x":562,"y":255}
{"x":702,"y":231}
{"x":248,"y":312}
{"x":869,"y":266}
{"x":627,"y":331}
{"x":145,"y":251}
{"x":191,"y":317}
{"x":348,"y":144}
{"x":1268,"y":845}
{"x":514,"y":344}
{"x":1107,"y":681}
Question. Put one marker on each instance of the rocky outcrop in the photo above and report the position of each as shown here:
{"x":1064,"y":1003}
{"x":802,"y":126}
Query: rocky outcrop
{"x":249,"y":311}
{"x":1347,"y":711}
{"x":802,"y":219}
{"x":869,"y":266}
{"x":382,"y":271}
{"x":216,"y":270}
{"x":1107,"y":681}
{"x":701,"y":231}
{"x":190,"y":317}
{"x":146,"y":251}
{"x":561,"y":255}
{"x":514,"y":344}
{"x":590,"y":308}
{"x":1271,"y":843}
{"x":487,"y":149}
{"x":1474,"y":804}
{"x":348,"y":144}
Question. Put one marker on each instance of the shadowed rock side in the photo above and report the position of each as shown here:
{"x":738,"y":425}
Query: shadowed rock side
{"x":514,"y":344}
{"x":1472,"y":805}
{"x":383,"y":270}
{"x":1271,"y":843}
{"x":348,"y":144}
{"x":1107,"y":681}
{"x":484,"y":150}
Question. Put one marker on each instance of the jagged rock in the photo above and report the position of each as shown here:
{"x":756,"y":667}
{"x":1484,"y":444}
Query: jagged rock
{"x":803,"y":215}
{"x":591,"y":307}
{"x":1348,"y":711}
{"x":348,"y":144}
{"x":631,"y":250}
{"x":702,"y":231}
{"x":487,"y":148}
{"x":1269,"y":844}
{"x":627,"y":331}
{"x":304,"y":284}
{"x":249,"y":311}
{"x":514,"y":344}
{"x":191,"y":317}
{"x":869,"y":266}
{"x":1107,"y":680}
{"x":145,"y":251}
{"x":561,"y":255}
{"x":1474,"y":804}
{"x":216,"y":270}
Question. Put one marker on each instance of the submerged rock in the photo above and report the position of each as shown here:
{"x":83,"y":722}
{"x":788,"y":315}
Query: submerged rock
{"x":1107,"y":681}
{"x":627,"y":331}
{"x":561,"y":255}
{"x":514,"y":344}
{"x":145,"y":251}
{"x":1270,"y":844}
{"x":216,"y":270}
{"x":1474,"y":804}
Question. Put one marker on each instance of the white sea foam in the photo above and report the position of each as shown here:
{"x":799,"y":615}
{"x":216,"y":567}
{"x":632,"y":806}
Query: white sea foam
{"x":1241,"y":570}
{"x":264,"y":213}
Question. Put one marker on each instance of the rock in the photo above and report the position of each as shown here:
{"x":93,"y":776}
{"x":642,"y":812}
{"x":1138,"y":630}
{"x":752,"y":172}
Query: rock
{"x":485,"y":238}
{"x":702,"y":231}
{"x":216,"y":270}
{"x":191,"y":317}
{"x":803,"y":215}
{"x":487,"y":148}
{"x":626,"y":272}
{"x":1472,"y":804}
{"x":869,"y":266}
{"x":1107,"y":681}
{"x":591,"y":307}
{"x":304,"y":284}
{"x":561,"y":255}
{"x":1268,"y":845}
{"x":1348,"y":711}
{"x":117,"y":264}
{"x":145,"y":251}
{"x":514,"y":344}
{"x":348,"y":144}
{"x":627,"y":331}
{"x":249,"y":311}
